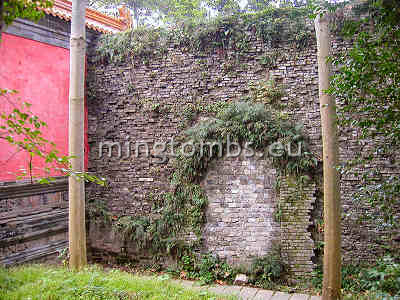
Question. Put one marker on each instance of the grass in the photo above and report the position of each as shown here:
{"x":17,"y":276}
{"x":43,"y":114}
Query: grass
{"x":40,"y":282}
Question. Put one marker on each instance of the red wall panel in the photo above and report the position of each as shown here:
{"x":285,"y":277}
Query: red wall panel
{"x":40,"y":73}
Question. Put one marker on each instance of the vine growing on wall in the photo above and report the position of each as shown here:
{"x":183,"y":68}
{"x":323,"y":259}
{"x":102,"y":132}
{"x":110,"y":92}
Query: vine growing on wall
{"x":273,"y":26}
{"x":367,"y":85}
{"x":180,"y":213}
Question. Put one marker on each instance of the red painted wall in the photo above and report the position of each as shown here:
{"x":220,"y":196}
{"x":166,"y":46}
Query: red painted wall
{"x":40,"y":73}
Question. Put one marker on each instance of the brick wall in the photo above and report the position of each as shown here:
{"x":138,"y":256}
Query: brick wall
{"x":120,"y":109}
{"x":240,"y":213}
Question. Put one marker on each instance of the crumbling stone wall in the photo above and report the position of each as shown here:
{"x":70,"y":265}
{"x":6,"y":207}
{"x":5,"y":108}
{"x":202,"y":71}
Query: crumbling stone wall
{"x":147,"y":101}
{"x":296,"y":205}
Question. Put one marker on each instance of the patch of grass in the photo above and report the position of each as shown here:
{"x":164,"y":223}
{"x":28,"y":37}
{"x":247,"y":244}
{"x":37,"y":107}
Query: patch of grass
{"x":39,"y":282}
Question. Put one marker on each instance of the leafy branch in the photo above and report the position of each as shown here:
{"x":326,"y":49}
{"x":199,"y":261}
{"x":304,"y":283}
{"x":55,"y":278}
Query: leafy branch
{"x":367,"y":85}
{"x":23,"y":129}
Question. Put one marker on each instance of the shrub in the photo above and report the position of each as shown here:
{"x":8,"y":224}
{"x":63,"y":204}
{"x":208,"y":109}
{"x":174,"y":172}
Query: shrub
{"x":384,"y":277}
{"x":206,"y":268}
{"x":381,"y":281}
{"x":268,"y":270}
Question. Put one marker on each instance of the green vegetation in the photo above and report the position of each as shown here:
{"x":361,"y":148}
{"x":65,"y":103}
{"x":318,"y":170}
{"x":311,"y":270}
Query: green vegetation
{"x":368,"y":85}
{"x":272,"y":25}
{"x":258,"y":126}
{"x":267,"y":272}
{"x":381,"y":281}
{"x":12,"y":9}
{"x":180,"y":213}
{"x":20,"y":127}
{"x":38,"y":282}
{"x":171,"y":12}
{"x":206,"y":268}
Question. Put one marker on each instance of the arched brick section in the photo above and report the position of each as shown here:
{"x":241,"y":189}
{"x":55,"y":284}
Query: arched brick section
{"x":240,"y":213}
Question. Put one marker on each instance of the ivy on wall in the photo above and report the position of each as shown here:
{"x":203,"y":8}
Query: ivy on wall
{"x":272,"y":25}
{"x":179,"y":214}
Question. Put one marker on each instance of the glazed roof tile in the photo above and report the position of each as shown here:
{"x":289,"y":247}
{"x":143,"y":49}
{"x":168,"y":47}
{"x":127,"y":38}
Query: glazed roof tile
{"x":95,"y":20}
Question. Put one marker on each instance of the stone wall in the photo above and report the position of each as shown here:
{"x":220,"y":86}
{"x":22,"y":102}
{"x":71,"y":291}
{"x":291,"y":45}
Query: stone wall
{"x":296,"y":205}
{"x":33,"y":221}
{"x":148,"y":101}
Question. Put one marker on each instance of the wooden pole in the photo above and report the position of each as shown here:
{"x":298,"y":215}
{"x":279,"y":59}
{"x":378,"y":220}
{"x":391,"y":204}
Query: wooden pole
{"x":332,"y":259}
{"x":77,"y":229}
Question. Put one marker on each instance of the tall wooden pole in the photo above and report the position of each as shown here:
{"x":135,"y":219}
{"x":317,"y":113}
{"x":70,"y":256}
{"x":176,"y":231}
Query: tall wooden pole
{"x":332,"y":259}
{"x":77,"y":230}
